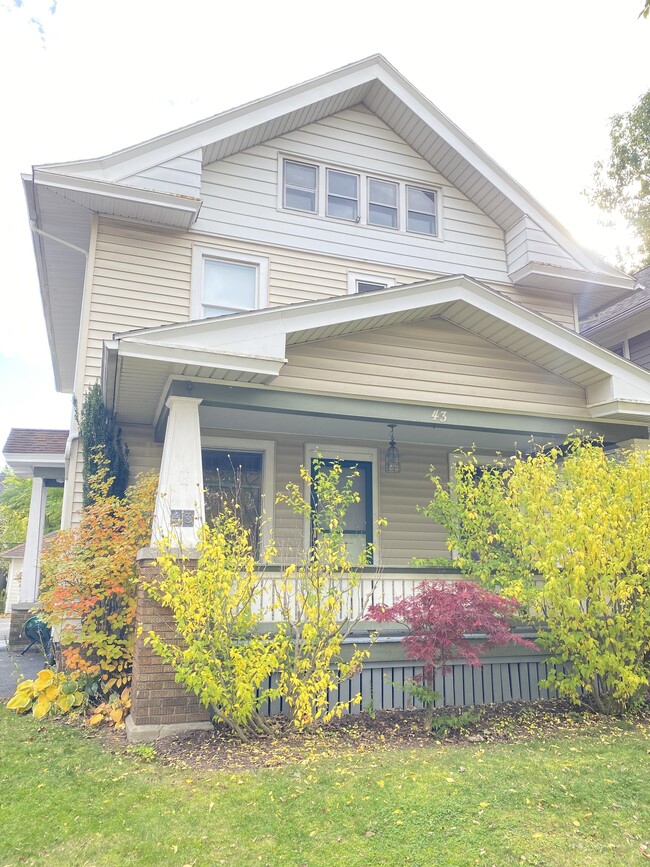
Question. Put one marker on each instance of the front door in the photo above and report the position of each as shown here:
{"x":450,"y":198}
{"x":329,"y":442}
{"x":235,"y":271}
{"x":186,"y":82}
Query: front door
{"x":358,"y":527}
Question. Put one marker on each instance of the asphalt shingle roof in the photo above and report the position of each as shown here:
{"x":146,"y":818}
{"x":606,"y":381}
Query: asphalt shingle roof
{"x":31,"y":441}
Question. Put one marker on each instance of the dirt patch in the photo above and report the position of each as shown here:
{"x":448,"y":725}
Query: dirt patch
{"x":386,"y":730}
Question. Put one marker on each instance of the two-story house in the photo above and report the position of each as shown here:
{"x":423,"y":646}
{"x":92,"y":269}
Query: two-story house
{"x":313,"y":273}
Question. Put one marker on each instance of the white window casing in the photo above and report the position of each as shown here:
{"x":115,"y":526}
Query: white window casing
{"x":267,"y":449}
{"x":344,"y":453}
{"x":344,"y":194}
{"x":245,"y":279}
{"x":377,"y":280}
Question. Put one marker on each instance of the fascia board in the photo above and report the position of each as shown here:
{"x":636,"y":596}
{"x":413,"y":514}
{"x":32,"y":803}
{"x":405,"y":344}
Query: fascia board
{"x":41,"y":270}
{"x":131,"y":160}
{"x":577,"y":280}
{"x":186,"y":205}
{"x":277,"y":321}
{"x":213,"y":359}
{"x":636,"y":409}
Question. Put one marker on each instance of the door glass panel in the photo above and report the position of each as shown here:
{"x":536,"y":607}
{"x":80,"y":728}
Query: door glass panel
{"x":357,"y":531}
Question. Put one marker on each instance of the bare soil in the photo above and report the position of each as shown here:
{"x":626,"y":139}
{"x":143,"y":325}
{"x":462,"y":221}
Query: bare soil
{"x":385,"y":730}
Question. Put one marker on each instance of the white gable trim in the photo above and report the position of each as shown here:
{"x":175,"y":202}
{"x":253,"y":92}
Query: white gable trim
{"x":266,"y":334}
{"x":371,"y":79}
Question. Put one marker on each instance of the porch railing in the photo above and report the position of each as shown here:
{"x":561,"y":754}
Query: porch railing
{"x":378,"y":585}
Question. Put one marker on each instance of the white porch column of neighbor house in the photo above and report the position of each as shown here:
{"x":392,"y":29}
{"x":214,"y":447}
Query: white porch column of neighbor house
{"x":34,"y":542}
{"x":180,"y":512}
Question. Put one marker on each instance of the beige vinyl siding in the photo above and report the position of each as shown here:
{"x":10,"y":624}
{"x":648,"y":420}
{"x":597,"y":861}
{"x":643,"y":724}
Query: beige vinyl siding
{"x":433,"y":362}
{"x":141,"y":278}
{"x":240,"y":196}
{"x":407,"y":535}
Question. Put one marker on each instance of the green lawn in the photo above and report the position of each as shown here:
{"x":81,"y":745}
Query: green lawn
{"x":575,"y":799}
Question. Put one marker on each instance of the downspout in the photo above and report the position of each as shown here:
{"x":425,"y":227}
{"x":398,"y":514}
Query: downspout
{"x":37,"y":231}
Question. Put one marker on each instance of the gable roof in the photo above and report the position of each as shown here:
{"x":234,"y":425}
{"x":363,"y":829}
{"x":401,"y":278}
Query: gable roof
{"x":609,"y":320}
{"x":27,"y":449}
{"x":252,"y":347}
{"x":135,"y":182}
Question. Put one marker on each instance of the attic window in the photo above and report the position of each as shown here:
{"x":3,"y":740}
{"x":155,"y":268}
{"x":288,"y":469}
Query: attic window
{"x":224,"y":282}
{"x":300,"y":186}
{"x":421,"y":209}
{"x":336,"y":193}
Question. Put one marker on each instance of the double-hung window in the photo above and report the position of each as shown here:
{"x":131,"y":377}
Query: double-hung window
{"x":343,"y":195}
{"x":226,"y":282}
{"x":300,"y":186}
{"x":382,"y":203}
{"x":358,"y":197}
{"x":421,"y":208}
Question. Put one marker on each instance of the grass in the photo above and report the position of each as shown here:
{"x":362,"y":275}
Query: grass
{"x":566,"y":800}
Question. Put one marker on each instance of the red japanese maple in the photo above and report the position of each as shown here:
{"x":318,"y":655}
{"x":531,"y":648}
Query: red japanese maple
{"x":441,"y":614}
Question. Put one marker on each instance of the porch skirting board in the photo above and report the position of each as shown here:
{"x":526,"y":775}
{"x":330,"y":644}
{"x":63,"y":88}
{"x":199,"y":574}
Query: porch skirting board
{"x":161,"y":707}
{"x":381,"y":682}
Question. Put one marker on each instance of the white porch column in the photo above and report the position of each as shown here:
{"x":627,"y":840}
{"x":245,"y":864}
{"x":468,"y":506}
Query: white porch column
{"x":179,"y":505}
{"x":35,"y":525}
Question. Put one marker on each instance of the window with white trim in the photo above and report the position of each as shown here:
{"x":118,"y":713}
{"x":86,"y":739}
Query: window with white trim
{"x":421,"y":209}
{"x":225,"y":282}
{"x":343,"y":195}
{"x":241,"y":473}
{"x":337,"y":193}
{"x":383,"y":199}
{"x":360,"y":282}
{"x":300,"y":186}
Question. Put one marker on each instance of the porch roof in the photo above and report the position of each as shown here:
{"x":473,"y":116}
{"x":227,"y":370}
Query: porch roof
{"x":251,"y":348}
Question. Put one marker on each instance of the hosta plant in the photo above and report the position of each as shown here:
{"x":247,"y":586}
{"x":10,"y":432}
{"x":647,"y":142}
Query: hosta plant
{"x":49,"y":694}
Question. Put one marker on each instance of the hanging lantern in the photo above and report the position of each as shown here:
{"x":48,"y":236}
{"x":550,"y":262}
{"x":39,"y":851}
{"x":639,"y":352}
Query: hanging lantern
{"x":391,"y":463}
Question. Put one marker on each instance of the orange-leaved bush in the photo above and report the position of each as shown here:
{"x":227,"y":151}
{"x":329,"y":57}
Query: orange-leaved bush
{"x":89,"y":577}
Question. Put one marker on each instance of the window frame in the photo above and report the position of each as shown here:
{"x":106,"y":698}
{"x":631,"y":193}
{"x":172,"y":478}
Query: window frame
{"x":344,"y":453}
{"x":201,"y":253}
{"x":407,"y":210}
{"x":363,"y":200}
{"x":283,"y":190}
{"x":397,"y":227}
{"x":355,"y":277}
{"x":267,"y":450}
{"x":329,"y":170}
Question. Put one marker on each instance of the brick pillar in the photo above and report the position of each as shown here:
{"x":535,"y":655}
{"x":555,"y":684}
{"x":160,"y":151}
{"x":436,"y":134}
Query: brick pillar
{"x":20,"y":614}
{"x":159,"y":706}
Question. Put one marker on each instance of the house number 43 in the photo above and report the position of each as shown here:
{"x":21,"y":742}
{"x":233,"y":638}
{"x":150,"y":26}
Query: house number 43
{"x":439,"y":415}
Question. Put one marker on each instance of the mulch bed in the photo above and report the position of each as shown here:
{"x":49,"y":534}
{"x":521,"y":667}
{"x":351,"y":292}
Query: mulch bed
{"x":386,"y":730}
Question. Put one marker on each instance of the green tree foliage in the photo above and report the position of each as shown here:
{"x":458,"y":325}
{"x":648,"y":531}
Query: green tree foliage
{"x":100,"y":443}
{"x":15,"y":498}
{"x":567,"y":532}
{"x":622,"y":182}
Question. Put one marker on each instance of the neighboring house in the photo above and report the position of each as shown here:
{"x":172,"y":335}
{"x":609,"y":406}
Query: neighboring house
{"x":16,"y":558}
{"x":290,"y":277}
{"x":624,"y":326}
{"x":41,"y":456}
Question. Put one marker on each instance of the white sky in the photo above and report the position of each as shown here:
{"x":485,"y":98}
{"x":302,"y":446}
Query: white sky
{"x":533,"y":83}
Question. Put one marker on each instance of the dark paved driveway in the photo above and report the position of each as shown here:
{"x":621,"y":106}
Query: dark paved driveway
{"x":13,"y":666}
